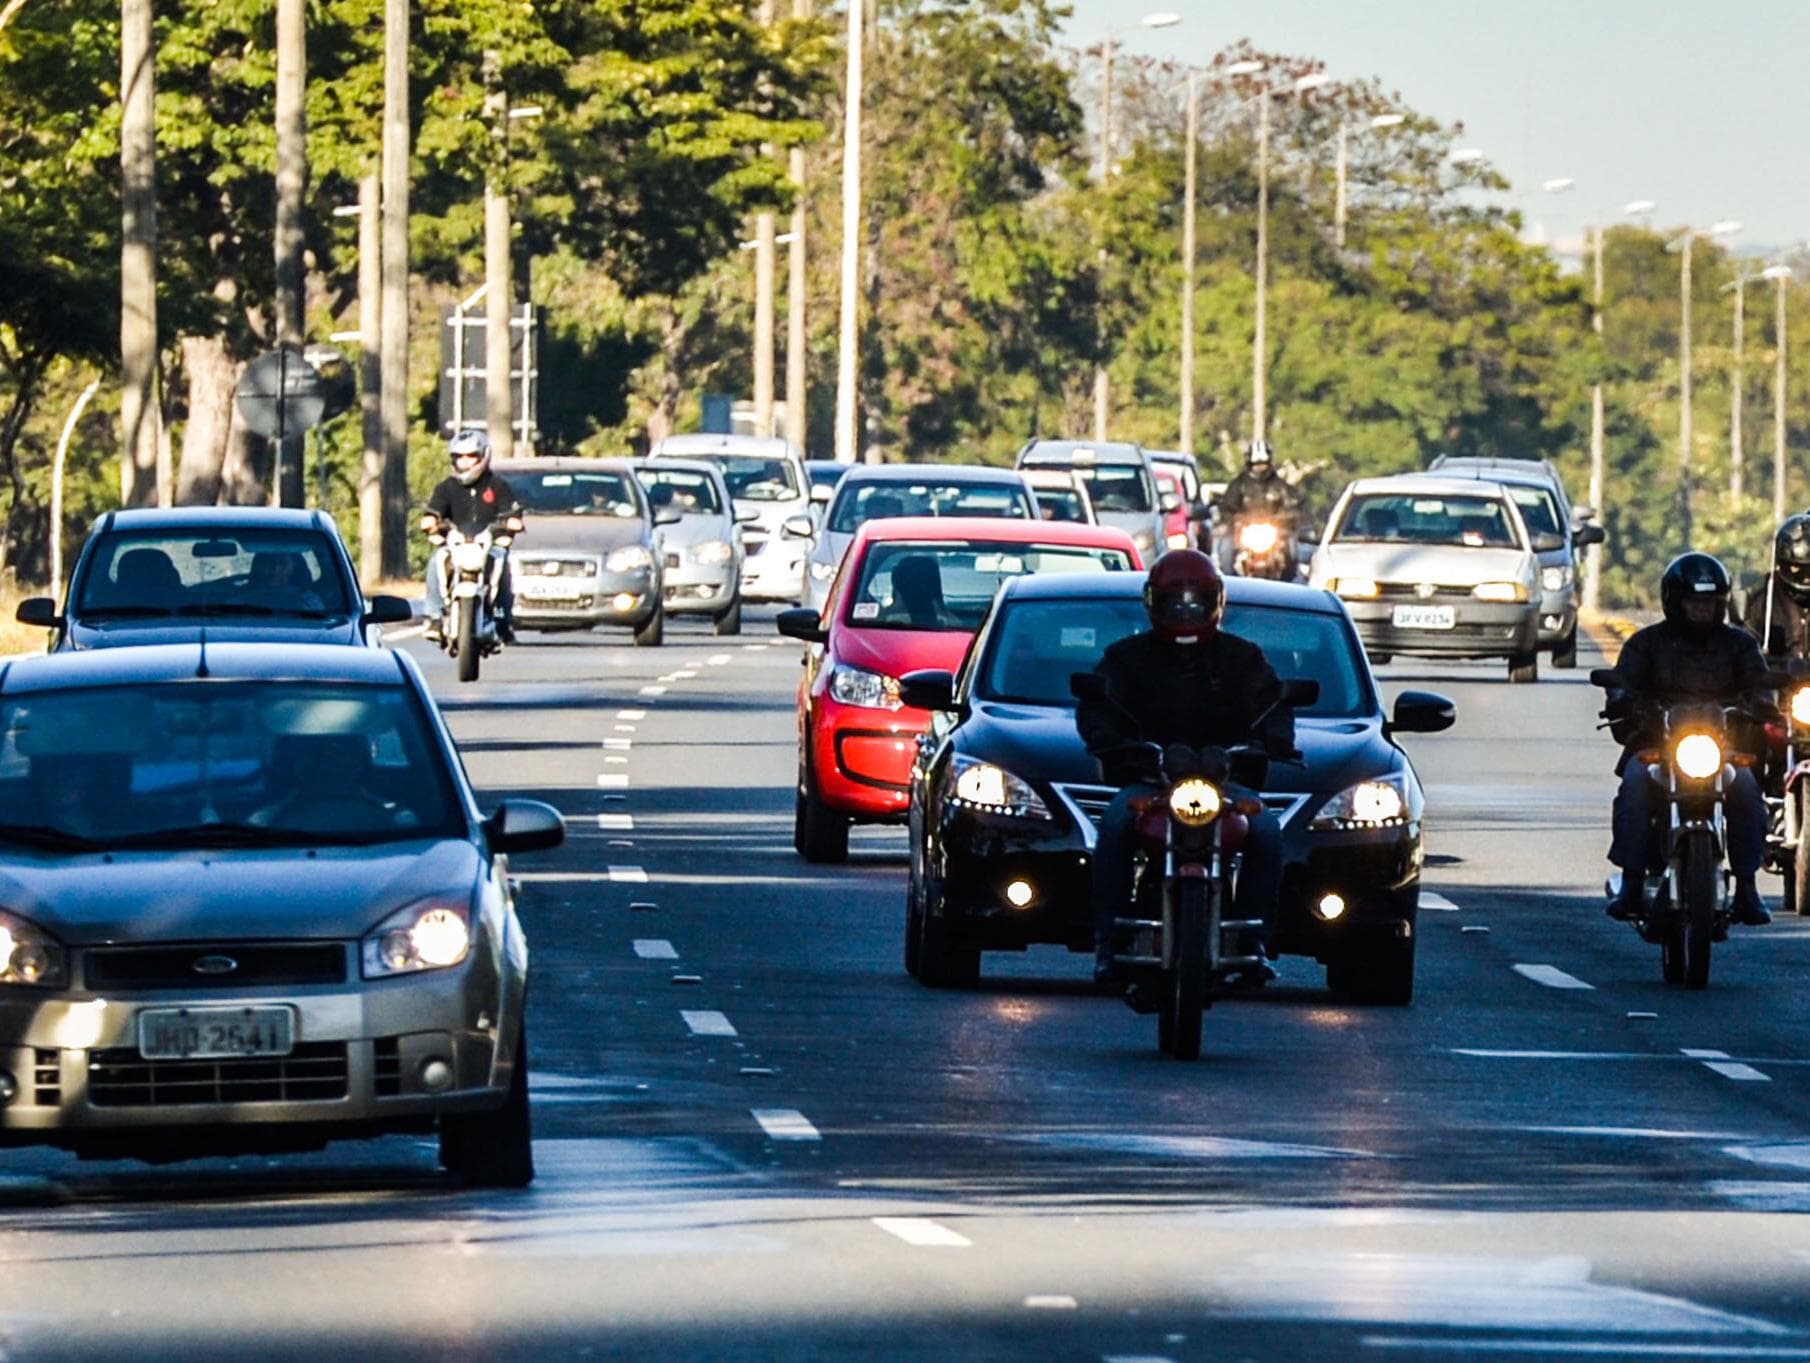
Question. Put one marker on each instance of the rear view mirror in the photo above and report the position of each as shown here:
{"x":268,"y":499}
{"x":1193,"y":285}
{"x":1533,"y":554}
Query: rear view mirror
{"x":1308,"y":534}
{"x":1605,"y":677}
{"x":668,"y":515}
{"x":215,"y":549}
{"x":1300,"y":692}
{"x":40,"y":611}
{"x":1586,"y":535}
{"x":388,"y":610}
{"x":1200,"y":511}
{"x":1547,"y":544}
{"x":524,"y":826}
{"x":1422,"y":712}
{"x":820,"y":493}
{"x":802,"y":623}
{"x":1170,"y":503}
{"x":928,"y":689}
{"x":746,"y":515}
{"x":798,"y":528}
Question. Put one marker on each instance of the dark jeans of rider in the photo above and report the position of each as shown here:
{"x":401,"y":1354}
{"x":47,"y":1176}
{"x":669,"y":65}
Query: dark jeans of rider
{"x":1633,"y":821}
{"x":1259,"y":878}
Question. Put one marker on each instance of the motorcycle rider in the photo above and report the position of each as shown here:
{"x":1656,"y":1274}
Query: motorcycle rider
{"x":1184,"y":680}
{"x":472,"y":497}
{"x":1257,"y":493}
{"x":1778,"y":612}
{"x":1694,"y":654}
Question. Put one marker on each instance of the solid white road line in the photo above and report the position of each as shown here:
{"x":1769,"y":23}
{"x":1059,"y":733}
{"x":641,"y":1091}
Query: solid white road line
{"x":1551,"y":976}
{"x":1051,"y":1301}
{"x":1135,"y":1358}
{"x":614,"y":823}
{"x":1436,"y":902}
{"x":651,"y":691}
{"x":785,"y":1124}
{"x":655,"y":949}
{"x":923,"y":1232}
{"x":1615,"y":1348}
{"x":707,"y":1022}
{"x":1729,"y":1069}
{"x":613,"y":780}
{"x":411,"y":632}
{"x":631,"y":714}
{"x":627,"y":875}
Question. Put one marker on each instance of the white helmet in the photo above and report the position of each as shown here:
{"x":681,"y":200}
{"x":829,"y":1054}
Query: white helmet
{"x":472,"y":440}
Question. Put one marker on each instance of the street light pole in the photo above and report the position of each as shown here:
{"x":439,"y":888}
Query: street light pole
{"x":766,"y":262}
{"x":797,"y":341}
{"x":499,"y":416}
{"x":1259,"y":342}
{"x":1684,"y":243}
{"x":1190,"y":192}
{"x":1593,"y":556}
{"x":394,"y":318}
{"x":848,"y":325}
{"x":1737,"y":451}
{"x":1781,"y":276}
{"x":1102,"y":380}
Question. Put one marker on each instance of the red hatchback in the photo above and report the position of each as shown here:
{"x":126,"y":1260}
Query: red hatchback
{"x":910,"y":594}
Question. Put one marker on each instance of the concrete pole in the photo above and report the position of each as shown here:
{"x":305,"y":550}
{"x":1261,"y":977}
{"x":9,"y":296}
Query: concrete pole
{"x":848,"y":338}
{"x":370,"y":382}
{"x":797,"y":339}
{"x":395,"y":316}
{"x":1737,"y":456}
{"x":1684,"y":391}
{"x":1338,"y":193}
{"x":1593,"y":556}
{"x":1778,"y":408}
{"x":1259,"y":337}
{"x":138,"y":411}
{"x":290,"y":486}
{"x":499,"y":389}
{"x":766,"y":263}
{"x":1103,"y":380}
{"x":1190,"y":250}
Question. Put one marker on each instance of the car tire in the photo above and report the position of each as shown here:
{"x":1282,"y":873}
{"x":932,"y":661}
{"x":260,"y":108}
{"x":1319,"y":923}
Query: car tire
{"x":729,"y":621}
{"x":1381,"y":659}
{"x":652,"y":632}
{"x":1523,"y":668}
{"x":1564,"y":653}
{"x":913,"y":930}
{"x":493,"y":1149}
{"x":1378,"y":973}
{"x":819,"y":833}
{"x":942,"y":964}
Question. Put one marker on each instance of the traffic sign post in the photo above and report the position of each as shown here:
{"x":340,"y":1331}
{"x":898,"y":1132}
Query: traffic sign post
{"x":282,"y":397}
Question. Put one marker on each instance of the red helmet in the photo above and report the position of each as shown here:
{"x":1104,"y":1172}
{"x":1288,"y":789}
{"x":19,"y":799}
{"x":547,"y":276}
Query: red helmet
{"x":1185,"y":596}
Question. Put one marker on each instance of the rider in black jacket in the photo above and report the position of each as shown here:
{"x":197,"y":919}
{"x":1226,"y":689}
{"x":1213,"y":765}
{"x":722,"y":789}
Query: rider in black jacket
{"x":472,"y":497}
{"x":1693,"y":654}
{"x":1182,"y":681}
{"x":1257,"y":493}
{"x":1778,"y":612}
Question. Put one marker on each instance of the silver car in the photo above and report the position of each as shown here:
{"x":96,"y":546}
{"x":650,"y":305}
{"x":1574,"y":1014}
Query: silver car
{"x":1061,"y":496}
{"x":252,"y":906}
{"x":1435,"y":567}
{"x":703,"y":551}
{"x":1118,"y":479}
{"x":767,"y":479}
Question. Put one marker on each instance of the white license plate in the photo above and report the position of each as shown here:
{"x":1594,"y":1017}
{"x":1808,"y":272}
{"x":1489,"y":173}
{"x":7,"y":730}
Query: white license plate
{"x":215,"y":1033}
{"x":552,"y":591}
{"x":1425,"y":617}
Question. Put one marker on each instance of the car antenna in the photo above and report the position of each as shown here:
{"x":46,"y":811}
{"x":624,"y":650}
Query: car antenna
{"x":201,"y":665}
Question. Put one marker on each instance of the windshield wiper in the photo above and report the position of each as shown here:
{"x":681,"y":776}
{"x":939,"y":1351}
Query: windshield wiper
{"x":43,"y":835}
{"x":225,"y":608}
{"x":234,"y":835}
{"x":123,"y":612}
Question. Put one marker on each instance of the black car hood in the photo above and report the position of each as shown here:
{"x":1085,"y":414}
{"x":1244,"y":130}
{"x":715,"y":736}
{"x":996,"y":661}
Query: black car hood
{"x":219,"y":630}
{"x":1040,"y":743}
{"x":215,"y":895}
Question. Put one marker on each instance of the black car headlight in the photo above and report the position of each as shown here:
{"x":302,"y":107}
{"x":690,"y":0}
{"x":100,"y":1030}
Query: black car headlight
{"x":430,"y":935}
{"x":981,"y":785}
{"x":1381,"y":802}
{"x":30,"y":956}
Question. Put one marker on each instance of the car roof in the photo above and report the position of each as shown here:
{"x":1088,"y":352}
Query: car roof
{"x":1544,"y":467}
{"x":1431,"y":484}
{"x":156,"y":663}
{"x":707,"y":468}
{"x":1081,"y":451}
{"x":1240,"y":591}
{"x":994,"y":529}
{"x":565,"y":464}
{"x":217,"y":518}
{"x":1172,"y":457}
{"x":750,"y":446}
{"x":1517,"y":472}
{"x":917,"y":473}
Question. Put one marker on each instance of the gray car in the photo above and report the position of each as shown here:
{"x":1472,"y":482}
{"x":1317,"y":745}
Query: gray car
{"x":590,"y":551}
{"x":251,"y":906}
{"x":703,"y":551}
{"x":1119,"y":481}
{"x":767,"y":478}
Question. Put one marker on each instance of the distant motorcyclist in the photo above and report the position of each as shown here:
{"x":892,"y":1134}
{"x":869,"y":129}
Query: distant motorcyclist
{"x":1694,"y":654}
{"x":473,"y":497}
{"x":1778,"y":611}
{"x":1257,"y":493}
{"x":1184,"y":680}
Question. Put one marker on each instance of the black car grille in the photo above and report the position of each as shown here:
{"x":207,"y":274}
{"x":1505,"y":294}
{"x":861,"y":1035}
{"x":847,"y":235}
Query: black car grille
{"x":1092,"y":802}
{"x":564,"y":567}
{"x":47,"y":1076}
{"x":315,"y":1072}
{"x":1411,"y":591}
{"x":386,"y":1066}
{"x":204,"y":966}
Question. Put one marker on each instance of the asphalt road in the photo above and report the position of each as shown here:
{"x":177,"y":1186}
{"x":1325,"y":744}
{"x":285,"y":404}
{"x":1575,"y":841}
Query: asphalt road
{"x":758,"y":1139}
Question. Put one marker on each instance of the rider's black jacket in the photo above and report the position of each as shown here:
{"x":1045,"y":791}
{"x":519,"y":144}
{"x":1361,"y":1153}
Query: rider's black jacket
{"x":1667,"y":664}
{"x":1207,"y":694}
{"x":476,"y":507}
{"x":1248,"y":495}
{"x":1789,"y":635}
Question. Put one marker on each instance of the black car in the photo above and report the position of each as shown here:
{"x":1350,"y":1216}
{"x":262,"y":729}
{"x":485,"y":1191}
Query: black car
{"x":237,"y":574}
{"x":1005,"y":800}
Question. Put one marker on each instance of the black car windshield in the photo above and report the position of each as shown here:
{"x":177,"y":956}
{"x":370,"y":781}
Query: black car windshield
{"x":950,"y":586}
{"x":1035,"y":646}
{"x":1117,"y":487}
{"x":1061,"y":504}
{"x":883,"y":500}
{"x":209,"y":763}
{"x":760,"y":480}
{"x":604,"y":493}
{"x":1417,"y":518}
{"x":212,"y":571}
{"x":688,"y":493}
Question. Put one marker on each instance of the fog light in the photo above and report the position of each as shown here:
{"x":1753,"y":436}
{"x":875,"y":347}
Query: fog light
{"x":9,"y":1088}
{"x":625,"y":601}
{"x":436,"y":1075}
{"x":1332,"y":907}
{"x":1019,"y":893}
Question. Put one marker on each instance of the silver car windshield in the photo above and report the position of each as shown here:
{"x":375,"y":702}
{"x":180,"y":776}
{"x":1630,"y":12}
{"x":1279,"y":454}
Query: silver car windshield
{"x":760,"y":480}
{"x":877,"y":501}
{"x":690,"y":494}
{"x":1061,"y":504}
{"x":1116,"y":487}
{"x":1414,"y":518}
{"x":207,"y":763}
{"x":212,"y":572}
{"x":1538,"y":509}
{"x":575,"y":494}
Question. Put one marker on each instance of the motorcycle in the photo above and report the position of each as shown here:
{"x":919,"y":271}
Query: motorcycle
{"x":1178,"y":945}
{"x":1686,"y":908}
{"x":1263,"y":548}
{"x":1788,"y":789}
{"x":472,"y":569}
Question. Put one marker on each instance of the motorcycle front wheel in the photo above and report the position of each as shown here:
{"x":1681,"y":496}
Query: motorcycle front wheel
{"x":468,"y":638}
{"x":1185,"y":999}
{"x":1701,"y":876}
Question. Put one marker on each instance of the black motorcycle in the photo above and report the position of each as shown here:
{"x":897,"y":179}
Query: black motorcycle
{"x":1787,"y":787}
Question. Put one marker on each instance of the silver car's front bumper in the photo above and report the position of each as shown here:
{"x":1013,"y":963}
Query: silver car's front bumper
{"x":692,"y":588}
{"x":604,"y":598}
{"x":773,"y":569}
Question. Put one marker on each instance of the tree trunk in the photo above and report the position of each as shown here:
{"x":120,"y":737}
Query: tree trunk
{"x":665,"y":413}
{"x":212,"y":376}
{"x":245,"y":472}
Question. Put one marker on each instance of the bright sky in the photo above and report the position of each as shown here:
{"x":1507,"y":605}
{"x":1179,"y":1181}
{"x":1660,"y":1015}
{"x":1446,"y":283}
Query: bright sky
{"x":1701,"y":105}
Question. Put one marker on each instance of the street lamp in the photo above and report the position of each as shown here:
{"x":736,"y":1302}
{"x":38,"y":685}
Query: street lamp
{"x":1781,"y":276}
{"x":1737,"y":445}
{"x":1682,"y":244}
{"x":499,"y":305}
{"x":1342,"y":172}
{"x":1260,"y":333}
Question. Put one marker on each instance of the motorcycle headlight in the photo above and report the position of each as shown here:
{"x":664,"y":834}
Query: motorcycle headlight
{"x":1555,"y":579}
{"x":1177,"y":541}
{"x":629,"y":558}
{"x":1698,"y":756}
{"x":1195,"y":802}
{"x":1377,"y":803}
{"x":1355,"y":588}
{"x":1259,"y":537}
{"x":981,"y":785}
{"x":712,"y":552}
{"x":31,"y":956}
{"x":469,"y":557}
{"x":1145,"y":541}
{"x":822,"y":572}
{"x":428,"y":936}
{"x":1499,"y":591}
{"x":871,"y":690}
{"x":1800,"y":705}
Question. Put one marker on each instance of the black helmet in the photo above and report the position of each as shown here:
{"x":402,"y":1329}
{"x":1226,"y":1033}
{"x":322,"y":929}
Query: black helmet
{"x":1694,"y":576}
{"x":1259,"y":458}
{"x":1791,"y":557}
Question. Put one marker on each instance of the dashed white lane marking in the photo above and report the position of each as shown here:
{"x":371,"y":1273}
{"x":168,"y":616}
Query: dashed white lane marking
{"x":631,"y":714}
{"x":619,"y":744}
{"x":1729,"y":1069}
{"x":613,"y":780}
{"x":1436,"y":902}
{"x":1486,"y":1054}
{"x":627,"y":875}
{"x":718,"y":659}
{"x":627,"y":728}
{"x":686,"y":675}
{"x":1051,"y":1301}
{"x":922,"y":1232}
{"x":1572,"y":1347}
{"x":1551,"y":976}
{"x":616,"y":759}
{"x":655,"y":949}
{"x":614,"y":823}
{"x":651,"y":691}
{"x":707,"y":1022}
{"x":785,"y":1124}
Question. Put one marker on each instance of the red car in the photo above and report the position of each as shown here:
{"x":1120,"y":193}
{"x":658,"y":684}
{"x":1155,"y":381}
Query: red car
{"x":910,"y":594}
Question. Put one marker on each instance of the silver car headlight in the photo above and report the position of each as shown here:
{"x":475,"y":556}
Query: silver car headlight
{"x":1555,"y":579}
{"x":712,"y":552}
{"x":629,"y":558}
{"x":822,"y":572}
{"x":30,"y":956}
{"x":427,"y":936}
{"x":870,"y":690}
{"x":1378,"y":803}
{"x":981,"y":785}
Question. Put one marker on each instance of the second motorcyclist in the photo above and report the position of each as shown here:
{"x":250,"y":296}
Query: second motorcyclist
{"x":1778,"y":611}
{"x":1184,"y":680}
{"x":1694,"y":654}
{"x":473,"y":497}
{"x":1258,"y":493}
